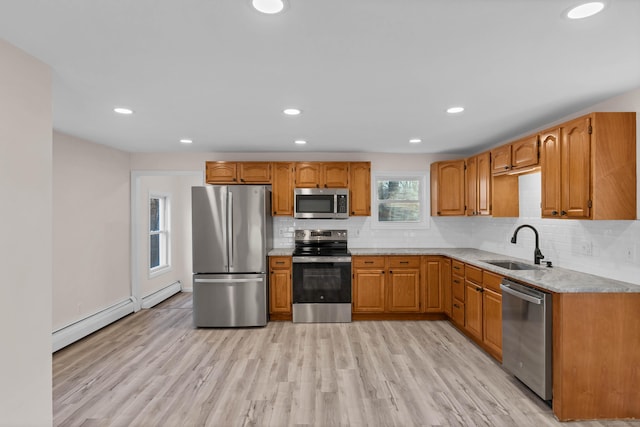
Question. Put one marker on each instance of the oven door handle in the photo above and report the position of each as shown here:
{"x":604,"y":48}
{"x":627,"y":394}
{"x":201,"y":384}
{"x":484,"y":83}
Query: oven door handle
{"x":319,"y":259}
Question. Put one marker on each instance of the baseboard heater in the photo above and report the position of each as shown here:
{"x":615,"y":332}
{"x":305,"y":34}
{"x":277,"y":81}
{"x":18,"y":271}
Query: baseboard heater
{"x":77,"y":330}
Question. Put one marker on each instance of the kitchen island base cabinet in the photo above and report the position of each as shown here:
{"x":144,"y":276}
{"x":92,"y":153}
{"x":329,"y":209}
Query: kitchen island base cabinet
{"x":596,"y":356}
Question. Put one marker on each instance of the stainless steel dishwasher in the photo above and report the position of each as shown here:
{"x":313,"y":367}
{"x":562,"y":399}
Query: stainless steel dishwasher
{"x":527,"y":336}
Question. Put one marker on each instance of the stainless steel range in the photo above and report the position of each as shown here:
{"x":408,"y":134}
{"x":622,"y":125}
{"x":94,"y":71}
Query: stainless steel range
{"x":321,"y":277}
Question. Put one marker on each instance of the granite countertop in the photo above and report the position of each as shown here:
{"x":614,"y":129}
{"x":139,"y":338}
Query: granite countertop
{"x":553,"y":279}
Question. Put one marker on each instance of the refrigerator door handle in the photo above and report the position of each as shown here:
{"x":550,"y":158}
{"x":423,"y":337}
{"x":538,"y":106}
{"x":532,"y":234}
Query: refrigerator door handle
{"x":258,"y":279}
{"x":230,"y":228}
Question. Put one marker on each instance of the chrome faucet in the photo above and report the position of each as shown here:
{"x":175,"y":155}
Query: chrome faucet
{"x":537,"y":255}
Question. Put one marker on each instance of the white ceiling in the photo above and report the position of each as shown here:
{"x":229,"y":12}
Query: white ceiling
{"x":368,"y":74}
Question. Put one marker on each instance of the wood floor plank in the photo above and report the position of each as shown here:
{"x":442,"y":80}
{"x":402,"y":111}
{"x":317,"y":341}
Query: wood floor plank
{"x":153,"y":368}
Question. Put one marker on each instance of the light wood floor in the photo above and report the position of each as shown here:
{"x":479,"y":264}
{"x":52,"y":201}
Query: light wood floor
{"x":153,"y":368}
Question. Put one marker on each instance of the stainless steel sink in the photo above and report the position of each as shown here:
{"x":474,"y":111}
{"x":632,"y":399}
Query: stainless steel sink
{"x":512,"y":265}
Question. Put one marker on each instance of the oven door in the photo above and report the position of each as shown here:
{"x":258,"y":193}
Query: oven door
{"x":321,"y":279}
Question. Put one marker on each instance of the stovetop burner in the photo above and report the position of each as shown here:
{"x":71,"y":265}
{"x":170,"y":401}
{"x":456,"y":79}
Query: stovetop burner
{"x":320,"y":243}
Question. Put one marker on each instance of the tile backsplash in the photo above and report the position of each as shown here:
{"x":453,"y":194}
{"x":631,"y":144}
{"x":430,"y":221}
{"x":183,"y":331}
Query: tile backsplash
{"x":605,"y":248}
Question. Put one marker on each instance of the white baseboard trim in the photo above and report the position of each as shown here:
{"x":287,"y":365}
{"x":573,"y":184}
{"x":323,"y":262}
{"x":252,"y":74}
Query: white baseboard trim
{"x":80,"y":329}
{"x":161,"y":295}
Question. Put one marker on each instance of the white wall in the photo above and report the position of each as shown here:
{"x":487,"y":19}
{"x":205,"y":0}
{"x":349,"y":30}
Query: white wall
{"x":25,"y":249}
{"x":178,"y":188}
{"x":91,"y":240}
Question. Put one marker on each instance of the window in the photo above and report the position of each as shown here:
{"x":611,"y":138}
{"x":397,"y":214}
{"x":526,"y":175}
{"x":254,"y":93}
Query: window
{"x":399,"y":200}
{"x":158,"y":233}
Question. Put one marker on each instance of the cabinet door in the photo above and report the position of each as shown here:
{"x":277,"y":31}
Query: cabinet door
{"x":221,"y":172}
{"x":501,"y":159}
{"x":471,"y":186}
{"x":280,"y":285}
{"x":308,"y":174}
{"x":524,"y":153}
{"x":433,"y":286}
{"x":254,"y":172}
{"x":492,"y":320}
{"x":473,"y":309}
{"x":576,"y":169}
{"x":282,"y":189}
{"x":368,"y":290}
{"x":550,"y":173}
{"x":451,"y":188}
{"x":445,"y":282}
{"x":457,"y":313}
{"x":360,"y":188}
{"x":335,"y":175}
{"x":404,"y":284}
{"x":484,"y":184}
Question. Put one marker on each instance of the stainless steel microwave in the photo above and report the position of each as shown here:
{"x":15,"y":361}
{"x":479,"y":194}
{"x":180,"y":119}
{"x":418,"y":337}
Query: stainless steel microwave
{"x":321,"y":203}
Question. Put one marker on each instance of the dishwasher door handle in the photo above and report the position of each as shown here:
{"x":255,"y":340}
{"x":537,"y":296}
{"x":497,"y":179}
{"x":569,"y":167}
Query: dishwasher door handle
{"x":508,"y":289}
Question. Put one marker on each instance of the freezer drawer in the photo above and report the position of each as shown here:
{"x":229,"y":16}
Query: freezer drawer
{"x":229,"y":300}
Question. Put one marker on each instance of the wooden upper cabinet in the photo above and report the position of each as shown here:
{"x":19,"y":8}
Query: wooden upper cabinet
{"x":501,"y":159}
{"x":447,"y":184}
{"x":550,"y":172}
{"x":238,"y":172}
{"x":335,"y":174}
{"x":221,"y":172}
{"x":322,"y":175}
{"x":517,"y":156}
{"x":471,"y":185}
{"x":524,"y":153}
{"x":360,"y":189}
{"x":589,"y":168}
{"x":254,"y":172}
{"x":282,"y":189}
{"x":575,"y":169}
{"x":308,"y":174}
{"x":478,"y":185}
{"x":484,"y":184}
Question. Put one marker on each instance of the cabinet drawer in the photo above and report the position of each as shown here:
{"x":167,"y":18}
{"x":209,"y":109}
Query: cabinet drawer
{"x":473,"y":274}
{"x":491,"y":281}
{"x":457,"y":288}
{"x":367,"y":262}
{"x":457,"y":312}
{"x":404,"y":261}
{"x":457,"y":267}
{"x":276,"y":262}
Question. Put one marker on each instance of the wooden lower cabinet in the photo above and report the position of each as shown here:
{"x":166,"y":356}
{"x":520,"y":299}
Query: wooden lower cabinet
{"x":457,"y":293}
{"x":369,"y":280}
{"x":404,"y":284}
{"x":473,"y":309}
{"x":392,"y":285}
{"x":492,"y":321}
{"x":280,"y":271}
{"x":596,"y":354}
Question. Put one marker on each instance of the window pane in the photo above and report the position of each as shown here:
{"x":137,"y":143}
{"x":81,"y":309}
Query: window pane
{"x":398,"y":189}
{"x":154,"y":214}
{"x":154,"y":250}
{"x":395,"y":211}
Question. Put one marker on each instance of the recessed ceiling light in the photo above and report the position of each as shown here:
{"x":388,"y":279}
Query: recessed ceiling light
{"x":300,"y":141}
{"x":186,"y":141}
{"x":585,"y":10}
{"x":291,"y":111}
{"x":455,"y":110}
{"x":123,"y":110}
{"x":268,"y":6}
{"x":415,"y":140}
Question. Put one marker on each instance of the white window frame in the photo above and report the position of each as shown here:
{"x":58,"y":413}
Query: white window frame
{"x":164,"y":232}
{"x":423,"y":194}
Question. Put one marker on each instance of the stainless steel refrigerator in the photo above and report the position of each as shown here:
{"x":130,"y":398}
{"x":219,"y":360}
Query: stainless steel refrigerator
{"x":232,"y":234}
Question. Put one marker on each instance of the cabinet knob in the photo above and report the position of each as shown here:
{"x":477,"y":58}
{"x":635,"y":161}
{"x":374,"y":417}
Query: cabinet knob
{"x":317,"y":185}
{"x":390,"y":272}
{"x":506,"y":168}
{"x":325,"y":186}
{"x":554,"y":212}
{"x":563,"y":213}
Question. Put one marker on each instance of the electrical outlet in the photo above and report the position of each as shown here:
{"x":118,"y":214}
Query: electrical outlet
{"x":630,"y":252}
{"x":586,"y":248}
